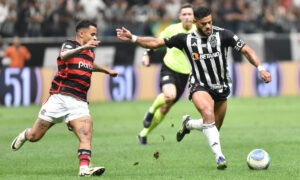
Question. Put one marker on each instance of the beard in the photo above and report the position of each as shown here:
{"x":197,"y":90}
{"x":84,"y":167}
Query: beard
{"x":203,"y":33}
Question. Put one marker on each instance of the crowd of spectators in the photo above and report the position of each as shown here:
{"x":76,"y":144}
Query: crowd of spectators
{"x":57,"y":18}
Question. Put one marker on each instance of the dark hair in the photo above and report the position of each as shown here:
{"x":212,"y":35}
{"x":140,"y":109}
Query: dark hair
{"x":201,"y":12}
{"x":186,"y":5}
{"x":85,"y":24}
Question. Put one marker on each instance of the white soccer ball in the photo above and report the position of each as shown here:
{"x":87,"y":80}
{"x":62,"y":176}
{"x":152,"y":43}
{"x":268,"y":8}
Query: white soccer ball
{"x":258,"y":159}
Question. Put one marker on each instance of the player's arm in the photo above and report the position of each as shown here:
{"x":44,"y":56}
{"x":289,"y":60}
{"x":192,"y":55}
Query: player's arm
{"x":236,"y":43}
{"x":146,"y":57}
{"x":145,"y":42}
{"x":68,"y":49}
{"x":254,"y":60}
{"x":105,"y":70}
{"x":166,"y":33}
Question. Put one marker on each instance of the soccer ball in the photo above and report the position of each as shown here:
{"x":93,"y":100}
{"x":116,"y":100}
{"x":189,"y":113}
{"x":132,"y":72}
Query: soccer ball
{"x":258,"y":159}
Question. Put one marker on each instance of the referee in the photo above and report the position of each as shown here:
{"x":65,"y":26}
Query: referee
{"x":206,"y":49}
{"x":174,"y":74}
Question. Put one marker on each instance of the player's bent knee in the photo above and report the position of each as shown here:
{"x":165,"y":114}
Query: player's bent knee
{"x":170,"y":99}
{"x":208,"y":115}
{"x":165,"y":109}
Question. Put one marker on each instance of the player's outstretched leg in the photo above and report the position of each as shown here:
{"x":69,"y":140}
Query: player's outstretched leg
{"x":94,"y":171}
{"x":184,"y":130}
{"x":19,"y":141}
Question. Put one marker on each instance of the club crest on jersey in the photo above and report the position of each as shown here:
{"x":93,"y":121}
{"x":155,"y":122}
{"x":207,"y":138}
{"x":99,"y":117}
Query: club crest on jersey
{"x":213,"y":41}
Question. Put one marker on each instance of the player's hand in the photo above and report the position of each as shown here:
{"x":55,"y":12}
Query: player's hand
{"x":146,"y":60}
{"x":266,"y":76}
{"x":91,"y":44}
{"x":124,"y":34}
{"x":113,"y":73}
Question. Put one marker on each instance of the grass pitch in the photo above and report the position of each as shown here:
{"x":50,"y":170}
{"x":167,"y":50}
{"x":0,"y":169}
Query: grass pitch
{"x":268,"y":123}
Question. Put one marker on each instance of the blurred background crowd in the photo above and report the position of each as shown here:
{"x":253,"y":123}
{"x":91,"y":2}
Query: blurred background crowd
{"x":57,"y":18}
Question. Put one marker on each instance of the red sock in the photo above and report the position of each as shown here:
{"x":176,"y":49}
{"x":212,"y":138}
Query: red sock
{"x":84,"y":157}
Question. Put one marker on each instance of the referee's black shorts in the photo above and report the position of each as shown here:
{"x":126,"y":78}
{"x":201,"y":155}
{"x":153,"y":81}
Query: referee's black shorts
{"x":168,"y":76}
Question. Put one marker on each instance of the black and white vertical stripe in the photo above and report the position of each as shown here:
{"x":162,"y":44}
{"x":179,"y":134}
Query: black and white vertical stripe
{"x":210,"y":69}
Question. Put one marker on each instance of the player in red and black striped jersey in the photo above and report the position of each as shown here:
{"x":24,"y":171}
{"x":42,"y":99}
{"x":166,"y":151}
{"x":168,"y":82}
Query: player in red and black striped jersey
{"x":68,"y":96}
{"x":74,"y":75}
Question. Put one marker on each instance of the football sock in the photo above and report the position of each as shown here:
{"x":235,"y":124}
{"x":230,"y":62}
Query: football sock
{"x":84,"y":157}
{"x":144,"y":132}
{"x":212,"y":135}
{"x":195,"y":124}
{"x":158,"y":117}
{"x":159,"y":101}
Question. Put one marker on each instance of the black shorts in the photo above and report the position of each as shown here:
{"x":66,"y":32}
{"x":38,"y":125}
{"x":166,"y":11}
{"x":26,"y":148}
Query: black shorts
{"x":216,"y":95}
{"x":168,"y":76}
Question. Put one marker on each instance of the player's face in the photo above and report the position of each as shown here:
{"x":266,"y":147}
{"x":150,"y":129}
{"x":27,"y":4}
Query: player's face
{"x":186,"y":16}
{"x":89,"y":34}
{"x":204,"y":25}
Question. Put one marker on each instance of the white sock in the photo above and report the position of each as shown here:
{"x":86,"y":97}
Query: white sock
{"x":83,"y":167}
{"x":213,"y":139}
{"x":22,"y":136}
{"x":195,"y":124}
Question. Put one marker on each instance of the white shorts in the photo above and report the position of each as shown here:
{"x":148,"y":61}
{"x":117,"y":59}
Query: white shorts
{"x":61,"y":107}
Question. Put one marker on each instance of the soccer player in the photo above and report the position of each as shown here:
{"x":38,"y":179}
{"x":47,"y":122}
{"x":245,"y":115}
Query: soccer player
{"x":209,"y":84}
{"x":173,"y":75}
{"x":68,"y":96}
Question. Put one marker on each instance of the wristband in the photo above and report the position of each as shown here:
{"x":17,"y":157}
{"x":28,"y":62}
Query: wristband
{"x":260,"y":68}
{"x":133,"y":38}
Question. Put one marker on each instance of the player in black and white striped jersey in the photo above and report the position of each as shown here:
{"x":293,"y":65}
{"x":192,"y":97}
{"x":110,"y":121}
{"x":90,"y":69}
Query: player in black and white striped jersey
{"x":206,"y":50}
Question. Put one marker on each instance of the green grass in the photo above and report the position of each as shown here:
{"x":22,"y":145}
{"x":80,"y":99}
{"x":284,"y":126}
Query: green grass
{"x":268,"y":123}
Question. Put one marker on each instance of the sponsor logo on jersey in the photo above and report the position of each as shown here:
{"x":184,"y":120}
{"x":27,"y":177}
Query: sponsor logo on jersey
{"x":85,"y":65}
{"x":209,"y":55}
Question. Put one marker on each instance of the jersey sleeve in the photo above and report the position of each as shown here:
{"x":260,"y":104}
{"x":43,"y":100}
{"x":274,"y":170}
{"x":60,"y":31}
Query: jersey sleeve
{"x":233,"y":40}
{"x":177,"y":41}
{"x":67,"y":45}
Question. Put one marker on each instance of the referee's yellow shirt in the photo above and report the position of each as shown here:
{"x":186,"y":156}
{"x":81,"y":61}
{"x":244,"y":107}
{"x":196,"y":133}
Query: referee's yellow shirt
{"x":175,"y":58}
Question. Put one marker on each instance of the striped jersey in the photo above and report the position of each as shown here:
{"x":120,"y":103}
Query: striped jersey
{"x":208,"y":55}
{"x":74,"y":75}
